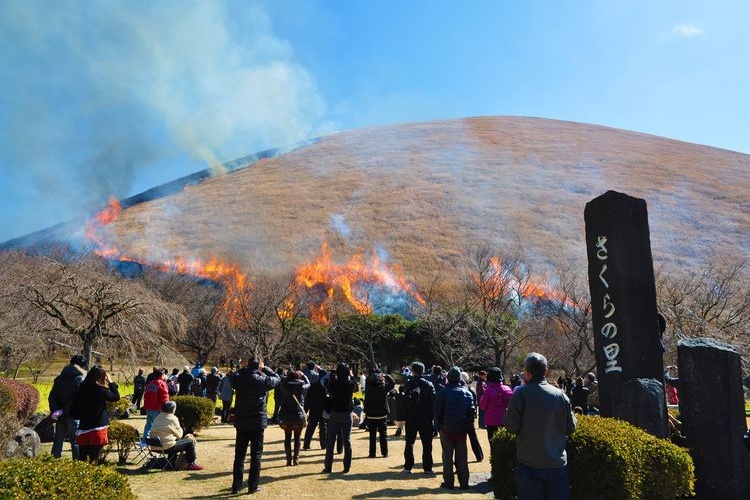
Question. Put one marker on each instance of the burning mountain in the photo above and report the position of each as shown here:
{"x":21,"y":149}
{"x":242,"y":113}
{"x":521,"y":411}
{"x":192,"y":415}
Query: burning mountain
{"x":421,"y":194}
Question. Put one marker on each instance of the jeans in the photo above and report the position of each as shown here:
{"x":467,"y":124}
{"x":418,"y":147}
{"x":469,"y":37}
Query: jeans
{"x":255,"y":440}
{"x":424,"y":428}
{"x":481,"y":419}
{"x":150,"y":416}
{"x":340,"y":422}
{"x":65,"y":425}
{"x":315,"y":419}
{"x":375,"y":427}
{"x":186,"y":445}
{"x":451,"y":447}
{"x":533,"y":483}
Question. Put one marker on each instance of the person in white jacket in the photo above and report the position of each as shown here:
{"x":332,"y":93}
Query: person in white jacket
{"x":167,"y":428}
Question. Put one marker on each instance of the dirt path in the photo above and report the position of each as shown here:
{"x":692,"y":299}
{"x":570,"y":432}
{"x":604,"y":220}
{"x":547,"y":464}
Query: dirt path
{"x":368,"y":478}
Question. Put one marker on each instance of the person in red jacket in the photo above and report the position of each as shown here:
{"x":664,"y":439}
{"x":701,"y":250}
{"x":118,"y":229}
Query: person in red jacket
{"x":154,"y":397}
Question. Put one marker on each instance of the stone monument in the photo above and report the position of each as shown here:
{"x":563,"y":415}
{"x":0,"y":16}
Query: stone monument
{"x":712,"y":409}
{"x":624,"y":314}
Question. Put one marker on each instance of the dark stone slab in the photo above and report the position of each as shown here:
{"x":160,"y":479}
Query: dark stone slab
{"x":642,"y":400}
{"x":623,"y":296}
{"x":712,"y":410}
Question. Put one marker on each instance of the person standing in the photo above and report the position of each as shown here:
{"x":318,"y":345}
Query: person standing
{"x":226,"y":394}
{"x":419,"y":399}
{"x":60,"y":399}
{"x":494,"y":401}
{"x":454,"y":414}
{"x":251,"y":385}
{"x":292,"y":412}
{"x":481,"y":381}
{"x":541,"y":417}
{"x":341,"y":387}
{"x":476,"y":446}
{"x":212,"y":384}
{"x":90,"y":407}
{"x":376,"y":409}
{"x":185,"y":381}
{"x":579,"y":396}
{"x":315,"y":404}
{"x":139,"y":385}
{"x":154,"y":397}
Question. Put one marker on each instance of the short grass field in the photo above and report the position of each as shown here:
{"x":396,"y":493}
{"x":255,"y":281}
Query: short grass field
{"x":368,"y":478}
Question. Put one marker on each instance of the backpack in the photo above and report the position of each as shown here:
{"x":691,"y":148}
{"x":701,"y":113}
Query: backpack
{"x":412,"y":396}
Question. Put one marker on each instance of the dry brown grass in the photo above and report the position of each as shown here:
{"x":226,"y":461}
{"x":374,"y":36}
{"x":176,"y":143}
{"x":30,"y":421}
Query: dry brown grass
{"x":368,"y":478}
{"x":425,"y":191}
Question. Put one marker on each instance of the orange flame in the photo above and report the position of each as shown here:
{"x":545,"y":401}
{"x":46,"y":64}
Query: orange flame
{"x":103,"y":217}
{"x":344,"y":279}
{"x":228,"y":275}
{"x":501,"y":282}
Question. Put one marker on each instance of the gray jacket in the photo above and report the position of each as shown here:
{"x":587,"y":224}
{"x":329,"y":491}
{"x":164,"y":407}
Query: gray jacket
{"x":541,"y":416}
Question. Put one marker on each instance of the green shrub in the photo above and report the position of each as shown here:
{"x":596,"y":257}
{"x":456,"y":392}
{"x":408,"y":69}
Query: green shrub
{"x":503,"y":464}
{"x":48,"y":477}
{"x":27,"y":397}
{"x":122,"y":437}
{"x":194,"y":412}
{"x":118,"y":409}
{"x":607,"y":458}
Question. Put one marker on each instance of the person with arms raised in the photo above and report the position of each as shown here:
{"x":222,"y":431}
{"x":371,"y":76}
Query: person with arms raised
{"x":251,"y":385}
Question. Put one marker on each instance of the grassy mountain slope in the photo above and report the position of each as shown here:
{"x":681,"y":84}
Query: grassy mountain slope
{"x":421,"y":193}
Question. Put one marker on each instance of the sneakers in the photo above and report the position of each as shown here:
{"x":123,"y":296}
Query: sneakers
{"x":429,"y":471}
{"x":406,"y":471}
{"x":195,"y":466}
{"x":446,"y":486}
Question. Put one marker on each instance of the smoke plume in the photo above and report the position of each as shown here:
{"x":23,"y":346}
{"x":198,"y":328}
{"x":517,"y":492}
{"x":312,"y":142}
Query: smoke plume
{"x":101,"y":98}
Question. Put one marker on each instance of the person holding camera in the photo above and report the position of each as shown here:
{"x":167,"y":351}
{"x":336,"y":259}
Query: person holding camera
{"x":341,"y":386}
{"x":251,"y":385}
{"x":376,"y":409}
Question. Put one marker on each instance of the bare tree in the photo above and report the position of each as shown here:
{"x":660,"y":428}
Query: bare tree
{"x":570,"y":315}
{"x":710,"y":302}
{"x":85,"y":300}
{"x":495,"y":291}
{"x":203,"y":302}
{"x":265,"y":317}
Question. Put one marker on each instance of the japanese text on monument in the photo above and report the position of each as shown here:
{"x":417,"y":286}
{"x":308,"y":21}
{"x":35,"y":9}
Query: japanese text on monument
{"x":609,"y":329}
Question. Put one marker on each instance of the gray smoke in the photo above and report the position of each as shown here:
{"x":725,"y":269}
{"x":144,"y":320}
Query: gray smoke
{"x":98,"y":96}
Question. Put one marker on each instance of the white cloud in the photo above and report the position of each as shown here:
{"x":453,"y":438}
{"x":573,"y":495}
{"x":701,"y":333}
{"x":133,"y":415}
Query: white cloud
{"x":687,"y":30}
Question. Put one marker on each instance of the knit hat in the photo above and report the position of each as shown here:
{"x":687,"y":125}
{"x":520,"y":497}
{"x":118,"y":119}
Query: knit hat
{"x":454,"y":374}
{"x":494,"y":374}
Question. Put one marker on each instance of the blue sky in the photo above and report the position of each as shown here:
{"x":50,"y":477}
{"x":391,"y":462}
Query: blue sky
{"x":111,"y":98}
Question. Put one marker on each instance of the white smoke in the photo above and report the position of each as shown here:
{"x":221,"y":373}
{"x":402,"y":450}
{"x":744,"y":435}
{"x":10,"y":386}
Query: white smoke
{"x":99,"y":94}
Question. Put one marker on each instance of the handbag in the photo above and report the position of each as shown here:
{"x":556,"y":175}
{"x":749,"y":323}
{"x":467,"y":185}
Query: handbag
{"x":304,"y":415}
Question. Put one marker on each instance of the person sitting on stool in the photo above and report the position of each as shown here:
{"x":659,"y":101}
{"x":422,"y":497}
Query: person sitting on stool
{"x":167,"y":428}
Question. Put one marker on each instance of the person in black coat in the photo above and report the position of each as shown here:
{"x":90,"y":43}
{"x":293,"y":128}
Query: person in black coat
{"x":60,"y":401}
{"x":185,"y":381}
{"x":292,"y":412}
{"x":139,"y":385}
{"x":341,"y":387}
{"x":376,"y":409}
{"x":315,"y":404}
{"x":90,"y":408}
{"x":251,"y":386}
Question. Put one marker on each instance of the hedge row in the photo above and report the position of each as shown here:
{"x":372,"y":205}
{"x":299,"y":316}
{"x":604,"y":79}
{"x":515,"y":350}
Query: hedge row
{"x":27,"y":397}
{"x":48,"y":477}
{"x":607,"y":458}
